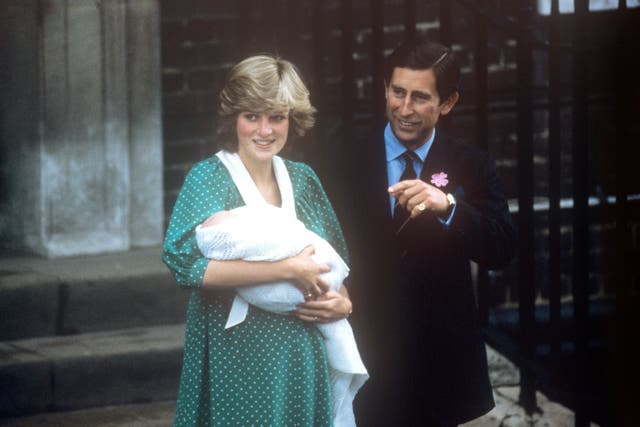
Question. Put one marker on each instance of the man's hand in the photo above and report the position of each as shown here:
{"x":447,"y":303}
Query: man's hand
{"x":410,"y":194}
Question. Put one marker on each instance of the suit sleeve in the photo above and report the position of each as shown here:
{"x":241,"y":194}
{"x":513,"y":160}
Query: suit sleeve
{"x":482,"y":220}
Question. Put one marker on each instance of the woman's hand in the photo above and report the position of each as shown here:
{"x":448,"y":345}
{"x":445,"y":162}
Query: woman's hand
{"x":301,"y":270}
{"x":328,"y":307}
{"x":305,"y":273}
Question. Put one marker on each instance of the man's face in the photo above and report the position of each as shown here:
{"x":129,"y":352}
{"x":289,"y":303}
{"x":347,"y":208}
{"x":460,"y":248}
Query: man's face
{"x":413,"y":105}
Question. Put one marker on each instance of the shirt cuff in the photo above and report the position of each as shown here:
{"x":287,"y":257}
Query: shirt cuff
{"x":447,"y":222}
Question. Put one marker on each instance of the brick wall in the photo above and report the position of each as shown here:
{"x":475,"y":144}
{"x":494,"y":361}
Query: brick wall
{"x":202,"y":39}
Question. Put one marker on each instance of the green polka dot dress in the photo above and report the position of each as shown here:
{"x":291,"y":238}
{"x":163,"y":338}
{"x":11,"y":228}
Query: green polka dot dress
{"x":271,"y":370}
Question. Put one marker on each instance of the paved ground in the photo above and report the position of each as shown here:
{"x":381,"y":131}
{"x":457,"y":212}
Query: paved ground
{"x":160,"y":414}
{"x":504,"y":377}
{"x":508,"y":413}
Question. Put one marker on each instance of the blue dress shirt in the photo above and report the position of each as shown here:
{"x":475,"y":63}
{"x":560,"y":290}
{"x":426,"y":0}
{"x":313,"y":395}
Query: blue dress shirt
{"x":396,"y":163}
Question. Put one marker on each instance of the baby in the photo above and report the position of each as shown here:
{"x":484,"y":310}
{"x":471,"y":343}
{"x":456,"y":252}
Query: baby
{"x":266,"y":233}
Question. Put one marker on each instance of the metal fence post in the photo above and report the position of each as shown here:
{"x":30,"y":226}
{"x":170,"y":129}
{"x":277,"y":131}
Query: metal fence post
{"x":580,"y":154}
{"x":446,"y":22}
{"x":526,"y":290}
{"x":410,"y":19}
{"x":377,"y":60}
{"x":482,"y":137}
{"x":348,"y":95}
{"x":555,"y":185}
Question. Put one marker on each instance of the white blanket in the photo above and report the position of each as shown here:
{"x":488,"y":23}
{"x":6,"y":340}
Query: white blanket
{"x":262,"y":232}
{"x":265,"y":233}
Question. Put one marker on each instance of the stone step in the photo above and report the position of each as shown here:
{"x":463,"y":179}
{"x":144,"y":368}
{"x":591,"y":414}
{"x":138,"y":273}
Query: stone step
{"x":504,"y":378}
{"x":155,"y":414}
{"x":87,"y":370}
{"x":46,"y":297}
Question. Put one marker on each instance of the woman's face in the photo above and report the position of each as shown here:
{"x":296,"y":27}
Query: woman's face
{"x":261,"y":135}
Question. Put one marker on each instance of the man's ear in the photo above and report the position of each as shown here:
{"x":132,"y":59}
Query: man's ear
{"x":449,"y":103}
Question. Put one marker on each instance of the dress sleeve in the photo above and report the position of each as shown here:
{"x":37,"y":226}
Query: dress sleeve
{"x":315,"y":210}
{"x":205,"y":191}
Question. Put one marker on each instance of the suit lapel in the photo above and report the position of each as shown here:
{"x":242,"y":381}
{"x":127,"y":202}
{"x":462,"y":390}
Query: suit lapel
{"x":435,"y":161}
{"x":374,"y":180}
{"x":375,"y":176}
{"x":434,"y":172}
{"x":437,"y":168}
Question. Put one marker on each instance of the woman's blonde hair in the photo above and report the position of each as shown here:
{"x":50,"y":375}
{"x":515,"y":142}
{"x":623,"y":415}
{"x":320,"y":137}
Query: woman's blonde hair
{"x":262,"y":84}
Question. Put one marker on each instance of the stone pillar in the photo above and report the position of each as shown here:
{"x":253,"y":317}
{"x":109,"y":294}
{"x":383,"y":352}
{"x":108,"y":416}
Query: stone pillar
{"x":145,"y":122}
{"x":81,"y":125}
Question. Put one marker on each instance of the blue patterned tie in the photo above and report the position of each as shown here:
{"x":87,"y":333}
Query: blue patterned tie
{"x":400,"y":214}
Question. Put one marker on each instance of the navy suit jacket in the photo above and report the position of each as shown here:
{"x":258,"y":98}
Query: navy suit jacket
{"x":415,"y":314}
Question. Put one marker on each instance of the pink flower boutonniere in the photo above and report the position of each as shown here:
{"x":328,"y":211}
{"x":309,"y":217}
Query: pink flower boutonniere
{"x":439,"y":179}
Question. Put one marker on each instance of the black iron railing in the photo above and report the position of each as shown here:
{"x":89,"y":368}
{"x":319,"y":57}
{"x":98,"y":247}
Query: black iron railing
{"x":551,"y":338}
{"x":552,"y":334}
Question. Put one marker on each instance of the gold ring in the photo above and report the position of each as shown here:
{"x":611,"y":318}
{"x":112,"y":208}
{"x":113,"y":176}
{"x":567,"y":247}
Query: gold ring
{"x":308,"y":295}
{"x":421,"y":207}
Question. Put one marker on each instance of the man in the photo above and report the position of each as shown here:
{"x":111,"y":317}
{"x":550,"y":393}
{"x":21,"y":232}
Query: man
{"x":412,"y":232}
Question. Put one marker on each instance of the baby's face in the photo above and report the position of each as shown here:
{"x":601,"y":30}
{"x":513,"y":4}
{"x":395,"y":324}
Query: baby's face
{"x":219,"y":218}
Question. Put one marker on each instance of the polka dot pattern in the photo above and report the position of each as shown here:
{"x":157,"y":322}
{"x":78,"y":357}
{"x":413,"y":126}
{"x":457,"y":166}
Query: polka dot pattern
{"x":270,"y":370}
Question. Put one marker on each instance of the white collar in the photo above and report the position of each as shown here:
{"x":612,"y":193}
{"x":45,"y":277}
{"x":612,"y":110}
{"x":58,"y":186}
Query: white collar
{"x":247,"y":187}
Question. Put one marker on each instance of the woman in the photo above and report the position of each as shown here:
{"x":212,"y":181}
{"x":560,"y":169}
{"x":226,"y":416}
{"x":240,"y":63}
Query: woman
{"x":271,"y":369}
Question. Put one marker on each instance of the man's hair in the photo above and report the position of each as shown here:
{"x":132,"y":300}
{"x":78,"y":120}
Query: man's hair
{"x":425,"y":55}
{"x":262,"y":84}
